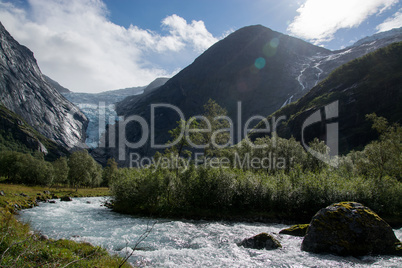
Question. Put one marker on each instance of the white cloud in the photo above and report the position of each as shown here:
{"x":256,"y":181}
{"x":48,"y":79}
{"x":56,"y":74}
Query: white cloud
{"x":194,"y":34}
{"x":77,"y":45}
{"x":393,"y":22}
{"x":319,"y":20}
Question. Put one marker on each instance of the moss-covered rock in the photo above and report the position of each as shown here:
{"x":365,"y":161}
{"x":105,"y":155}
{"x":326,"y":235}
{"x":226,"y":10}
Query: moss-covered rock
{"x":261,"y":241}
{"x":296,"y":230}
{"x":349,"y":228}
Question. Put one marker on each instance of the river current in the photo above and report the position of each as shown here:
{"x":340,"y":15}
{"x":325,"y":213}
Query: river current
{"x":181,"y":243}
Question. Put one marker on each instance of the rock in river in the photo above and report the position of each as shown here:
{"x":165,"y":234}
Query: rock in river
{"x":261,"y":241}
{"x":349,"y":228}
{"x":296,"y":230}
{"x":66,"y":199}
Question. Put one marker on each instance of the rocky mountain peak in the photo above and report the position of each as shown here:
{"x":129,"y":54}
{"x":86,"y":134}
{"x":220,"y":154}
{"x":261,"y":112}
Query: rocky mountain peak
{"x":24,"y":91}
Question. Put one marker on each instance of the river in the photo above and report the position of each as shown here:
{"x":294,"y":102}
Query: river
{"x":181,"y":243}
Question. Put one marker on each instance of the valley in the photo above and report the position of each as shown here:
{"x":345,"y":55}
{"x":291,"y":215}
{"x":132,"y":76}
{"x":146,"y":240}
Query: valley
{"x":262,"y":130}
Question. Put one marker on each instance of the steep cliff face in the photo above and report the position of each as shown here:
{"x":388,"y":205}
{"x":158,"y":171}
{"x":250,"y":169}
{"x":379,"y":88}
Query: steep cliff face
{"x":24,"y":91}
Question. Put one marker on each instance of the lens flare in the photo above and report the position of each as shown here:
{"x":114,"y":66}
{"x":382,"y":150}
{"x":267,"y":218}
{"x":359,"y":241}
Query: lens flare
{"x":260,"y":63}
{"x":269,"y":48}
{"x":274,"y":42}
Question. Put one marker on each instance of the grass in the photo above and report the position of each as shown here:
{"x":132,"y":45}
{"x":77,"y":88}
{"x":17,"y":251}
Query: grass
{"x":21,"y":247}
{"x":21,"y":196}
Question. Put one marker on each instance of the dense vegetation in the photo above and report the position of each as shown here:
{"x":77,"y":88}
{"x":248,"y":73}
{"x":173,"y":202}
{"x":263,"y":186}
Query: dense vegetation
{"x":77,"y":170}
{"x":290,"y":184}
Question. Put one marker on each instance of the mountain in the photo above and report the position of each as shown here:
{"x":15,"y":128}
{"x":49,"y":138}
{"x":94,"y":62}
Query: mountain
{"x":127,"y":103}
{"x":158,"y":82}
{"x":370,"y":84}
{"x":252,"y":72}
{"x":254,"y":65}
{"x":318,"y":67}
{"x":233,"y":70}
{"x":391,"y":36}
{"x":24,"y":91}
{"x":111,"y":96}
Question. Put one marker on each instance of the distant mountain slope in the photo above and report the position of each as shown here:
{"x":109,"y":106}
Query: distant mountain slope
{"x":128,"y":103}
{"x":158,"y":82}
{"x":111,"y":96}
{"x":108,"y":97}
{"x":319,"y":67}
{"x":370,"y":84}
{"x":24,"y":91}
{"x":392,"y":35}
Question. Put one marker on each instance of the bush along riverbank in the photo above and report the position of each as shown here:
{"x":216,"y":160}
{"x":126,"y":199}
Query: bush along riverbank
{"x":22,"y":247}
{"x":225,"y":186}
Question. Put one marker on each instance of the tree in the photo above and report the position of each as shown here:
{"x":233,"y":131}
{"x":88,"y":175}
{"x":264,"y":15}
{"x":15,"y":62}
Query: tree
{"x":95,"y":175}
{"x":313,"y":162}
{"x":183,"y":136}
{"x":384,"y":156}
{"x":109,"y":171}
{"x":8,"y":164}
{"x":215,"y":128}
{"x":84,"y":171}
{"x":61,"y":169}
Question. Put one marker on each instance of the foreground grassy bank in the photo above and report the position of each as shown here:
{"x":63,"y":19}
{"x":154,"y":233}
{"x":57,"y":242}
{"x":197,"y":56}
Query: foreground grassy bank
{"x":21,"y":247}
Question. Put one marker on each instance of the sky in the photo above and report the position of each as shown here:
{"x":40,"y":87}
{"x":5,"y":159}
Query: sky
{"x":98,"y":45}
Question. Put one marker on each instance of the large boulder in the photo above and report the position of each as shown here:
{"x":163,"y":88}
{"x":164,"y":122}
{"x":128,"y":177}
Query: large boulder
{"x":296,"y":230}
{"x":261,"y":241}
{"x":349,"y":228}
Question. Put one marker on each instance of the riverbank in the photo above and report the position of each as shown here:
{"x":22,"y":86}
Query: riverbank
{"x":21,"y":247}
